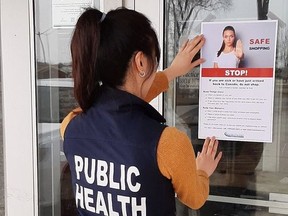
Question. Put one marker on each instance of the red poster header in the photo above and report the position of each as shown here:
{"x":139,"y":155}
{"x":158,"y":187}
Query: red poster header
{"x":237,"y":72}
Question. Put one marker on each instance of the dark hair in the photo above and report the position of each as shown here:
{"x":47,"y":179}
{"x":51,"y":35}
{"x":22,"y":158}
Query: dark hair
{"x":223,"y":45}
{"x":101,"y":50}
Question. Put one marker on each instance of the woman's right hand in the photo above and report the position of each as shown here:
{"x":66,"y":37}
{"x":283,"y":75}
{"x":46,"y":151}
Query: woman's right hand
{"x":239,"y":49}
{"x":207,"y":160}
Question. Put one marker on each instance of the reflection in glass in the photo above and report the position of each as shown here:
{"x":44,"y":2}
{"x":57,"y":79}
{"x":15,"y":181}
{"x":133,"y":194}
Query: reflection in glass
{"x":55,"y":100}
{"x":248,"y":170}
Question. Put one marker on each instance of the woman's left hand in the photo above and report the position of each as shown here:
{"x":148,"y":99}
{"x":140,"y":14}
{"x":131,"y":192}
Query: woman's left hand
{"x":182,"y":62}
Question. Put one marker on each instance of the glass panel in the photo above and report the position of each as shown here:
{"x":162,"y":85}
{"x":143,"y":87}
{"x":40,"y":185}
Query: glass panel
{"x":248,"y":170}
{"x":224,"y":209}
{"x":54,"y":23}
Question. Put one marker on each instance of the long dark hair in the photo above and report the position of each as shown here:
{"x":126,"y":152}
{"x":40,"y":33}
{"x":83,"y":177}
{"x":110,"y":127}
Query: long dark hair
{"x":223,"y":44}
{"x":102,"y":49}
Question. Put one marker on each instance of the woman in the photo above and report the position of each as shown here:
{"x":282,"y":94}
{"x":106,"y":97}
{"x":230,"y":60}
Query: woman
{"x":231,"y":52}
{"x":124,"y":160}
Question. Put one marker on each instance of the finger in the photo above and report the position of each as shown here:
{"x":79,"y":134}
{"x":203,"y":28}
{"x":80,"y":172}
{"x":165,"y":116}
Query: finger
{"x":196,"y":48}
{"x":195,"y":44}
{"x":201,"y":43}
{"x":205,"y":146}
{"x":198,"y":154}
{"x":215,"y":147}
{"x":211,"y":145}
{"x":183,"y":45}
{"x":197,"y":62}
{"x":218,"y":158}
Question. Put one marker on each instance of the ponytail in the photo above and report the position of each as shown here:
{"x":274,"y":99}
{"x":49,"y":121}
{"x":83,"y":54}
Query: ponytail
{"x":221,"y":49}
{"x":102,"y":49}
{"x":84,"y":50}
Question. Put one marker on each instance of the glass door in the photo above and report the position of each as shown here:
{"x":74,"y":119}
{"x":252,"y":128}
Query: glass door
{"x":54,"y":24}
{"x":55,"y":21}
{"x":252,"y":177}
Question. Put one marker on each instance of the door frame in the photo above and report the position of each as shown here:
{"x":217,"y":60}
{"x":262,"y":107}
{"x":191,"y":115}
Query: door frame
{"x":19,"y":108}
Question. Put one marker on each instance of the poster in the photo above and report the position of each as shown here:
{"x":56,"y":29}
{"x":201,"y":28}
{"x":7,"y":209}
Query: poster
{"x":65,"y":13}
{"x":236,"y":84}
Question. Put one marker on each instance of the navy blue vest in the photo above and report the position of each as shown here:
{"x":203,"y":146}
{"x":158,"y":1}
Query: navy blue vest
{"x":112,"y":153}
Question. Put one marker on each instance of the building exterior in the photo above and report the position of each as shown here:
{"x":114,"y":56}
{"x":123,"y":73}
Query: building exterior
{"x":36,"y":92}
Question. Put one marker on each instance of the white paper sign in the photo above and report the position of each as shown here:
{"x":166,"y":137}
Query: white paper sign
{"x":66,"y":12}
{"x":236,"y":85}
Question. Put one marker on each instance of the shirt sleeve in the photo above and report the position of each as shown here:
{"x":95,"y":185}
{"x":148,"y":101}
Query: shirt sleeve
{"x":176,"y":161}
{"x":159,"y":85}
{"x":67,"y":119}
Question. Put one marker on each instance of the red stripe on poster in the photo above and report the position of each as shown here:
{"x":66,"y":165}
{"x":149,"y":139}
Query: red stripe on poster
{"x":238,"y":72}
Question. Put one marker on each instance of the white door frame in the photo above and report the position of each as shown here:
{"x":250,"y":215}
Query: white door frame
{"x":19,"y":108}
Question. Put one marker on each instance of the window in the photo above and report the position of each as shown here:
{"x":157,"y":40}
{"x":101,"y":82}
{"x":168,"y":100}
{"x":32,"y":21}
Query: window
{"x":251,"y":177}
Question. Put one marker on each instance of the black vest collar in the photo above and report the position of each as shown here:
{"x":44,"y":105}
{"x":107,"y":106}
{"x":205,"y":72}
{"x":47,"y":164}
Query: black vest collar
{"x":122,"y":100}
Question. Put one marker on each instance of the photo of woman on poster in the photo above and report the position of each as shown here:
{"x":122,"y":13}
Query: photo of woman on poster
{"x":231,"y":52}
